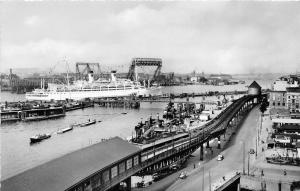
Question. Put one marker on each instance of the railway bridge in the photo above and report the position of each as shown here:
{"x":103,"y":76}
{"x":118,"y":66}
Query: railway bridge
{"x":110,"y":164}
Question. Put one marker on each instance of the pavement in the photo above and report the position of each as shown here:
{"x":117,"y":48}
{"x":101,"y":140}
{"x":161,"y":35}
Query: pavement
{"x":259,"y":163}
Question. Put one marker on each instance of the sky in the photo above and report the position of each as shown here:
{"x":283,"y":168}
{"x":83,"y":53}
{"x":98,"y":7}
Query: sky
{"x":211,"y":37}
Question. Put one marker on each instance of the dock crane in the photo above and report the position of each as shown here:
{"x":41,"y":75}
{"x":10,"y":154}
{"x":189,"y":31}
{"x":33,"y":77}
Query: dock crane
{"x":87,"y":68}
{"x":139,"y":62}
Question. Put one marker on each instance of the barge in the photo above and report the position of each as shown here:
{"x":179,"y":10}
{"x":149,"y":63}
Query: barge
{"x":65,"y":130}
{"x":89,"y":122}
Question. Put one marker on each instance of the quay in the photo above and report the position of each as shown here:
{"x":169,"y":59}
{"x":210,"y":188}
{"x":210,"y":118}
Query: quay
{"x":32,"y":114}
{"x":109,"y":165}
{"x":121,"y":102}
{"x":209,"y":93}
{"x":33,"y":111}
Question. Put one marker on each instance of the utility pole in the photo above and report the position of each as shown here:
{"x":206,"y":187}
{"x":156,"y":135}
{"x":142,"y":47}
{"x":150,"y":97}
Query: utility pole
{"x":244,"y":158}
{"x":209,"y":180}
{"x":203,"y":180}
{"x":248,"y":162}
{"x":256,"y":148}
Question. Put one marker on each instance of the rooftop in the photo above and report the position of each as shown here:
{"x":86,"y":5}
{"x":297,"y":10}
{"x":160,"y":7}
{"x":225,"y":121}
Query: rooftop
{"x":289,"y":127}
{"x":63,"y":172}
{"x":293,"y":89}
{"x":284,"y":120}
{"x":254,"y":84}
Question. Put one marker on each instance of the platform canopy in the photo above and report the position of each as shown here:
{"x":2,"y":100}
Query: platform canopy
{"x":63,"y":172}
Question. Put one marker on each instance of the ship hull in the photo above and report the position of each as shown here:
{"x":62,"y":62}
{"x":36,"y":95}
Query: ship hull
{"x":79,"y":95}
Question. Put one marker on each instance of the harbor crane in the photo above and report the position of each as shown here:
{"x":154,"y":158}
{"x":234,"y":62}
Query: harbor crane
{"x":148,"y":62}
{"x":88,"y":67}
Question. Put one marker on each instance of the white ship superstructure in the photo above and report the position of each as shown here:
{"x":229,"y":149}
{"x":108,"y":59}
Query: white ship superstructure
{"x":82,"y":89}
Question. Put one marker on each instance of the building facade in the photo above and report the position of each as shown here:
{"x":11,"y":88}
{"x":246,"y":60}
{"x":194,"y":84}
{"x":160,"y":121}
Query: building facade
{"x":293,"y":99}
{"x":278,"y":99}
{"x":286,"y":94}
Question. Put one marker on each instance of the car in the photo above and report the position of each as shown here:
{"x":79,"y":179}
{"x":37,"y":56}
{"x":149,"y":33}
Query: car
{"x":174,"y":167}
{"x":251,"y":151}
{"x":220,"y":157}
{"x":182,"y":175}
{"x":160,"y":175}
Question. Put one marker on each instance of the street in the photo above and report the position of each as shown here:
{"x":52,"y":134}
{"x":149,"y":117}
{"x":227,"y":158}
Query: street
{"x":232,"y":163}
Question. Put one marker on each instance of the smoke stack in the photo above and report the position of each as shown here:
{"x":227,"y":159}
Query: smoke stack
{"x":112,"y":75}
{"x":91,"y":76}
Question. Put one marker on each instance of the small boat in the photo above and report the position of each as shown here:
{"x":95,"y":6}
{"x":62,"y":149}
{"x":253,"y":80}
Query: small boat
{"x":124,"y":113}
{"x":61,"y":131}
{"x":39,"y":137}
{"x":89,"y":122}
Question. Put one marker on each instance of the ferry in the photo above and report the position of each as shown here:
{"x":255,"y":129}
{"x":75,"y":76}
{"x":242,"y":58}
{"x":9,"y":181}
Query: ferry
{"x":39,"y":137}
{"x":82,"y":89}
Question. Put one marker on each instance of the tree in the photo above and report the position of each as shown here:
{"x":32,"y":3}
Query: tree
{"x":263,"y":106}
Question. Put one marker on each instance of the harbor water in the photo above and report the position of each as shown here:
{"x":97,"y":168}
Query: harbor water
{"x":17,"y":155}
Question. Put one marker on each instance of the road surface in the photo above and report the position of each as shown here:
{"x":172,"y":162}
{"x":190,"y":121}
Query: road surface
{"x":232,"y":163}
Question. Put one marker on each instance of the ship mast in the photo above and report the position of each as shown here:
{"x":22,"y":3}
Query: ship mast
{"x":68,"y":83}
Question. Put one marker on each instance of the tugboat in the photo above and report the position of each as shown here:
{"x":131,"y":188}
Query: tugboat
{"x":39,"y":137}
{"x":65,"y":130}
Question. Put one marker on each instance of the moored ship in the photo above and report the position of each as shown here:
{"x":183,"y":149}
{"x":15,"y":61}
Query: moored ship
{"x":82,"y":89}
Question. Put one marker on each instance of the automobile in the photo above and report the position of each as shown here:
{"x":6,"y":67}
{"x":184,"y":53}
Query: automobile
{"x":158,"y":176}
{"x":251,"y":151}
{"x":182,"y":175}
{"x":220,"y":157}
{"x":140,"y":184}
{"x":174,"y":167}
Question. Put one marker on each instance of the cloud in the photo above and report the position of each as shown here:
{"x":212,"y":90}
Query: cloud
{"x":32,"y":21}
{"x":227,"y":37}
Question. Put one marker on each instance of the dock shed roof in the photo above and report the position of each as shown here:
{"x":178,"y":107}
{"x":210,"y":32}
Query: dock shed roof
{"x":63,"y":172}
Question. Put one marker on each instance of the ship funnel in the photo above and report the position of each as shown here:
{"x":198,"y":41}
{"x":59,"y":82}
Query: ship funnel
{"x":91,"y":77}
{"x":112,"y":75}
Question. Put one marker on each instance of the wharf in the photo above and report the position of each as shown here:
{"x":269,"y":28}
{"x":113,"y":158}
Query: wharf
{"x":78,"y":105}
{"x":173,"y":101}
{"x":125,"y":103}
{"x":32,"y":114}
{"x":209,"y":93}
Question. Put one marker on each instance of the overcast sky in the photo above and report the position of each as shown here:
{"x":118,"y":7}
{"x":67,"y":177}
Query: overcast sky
{"x":214,"y":37}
